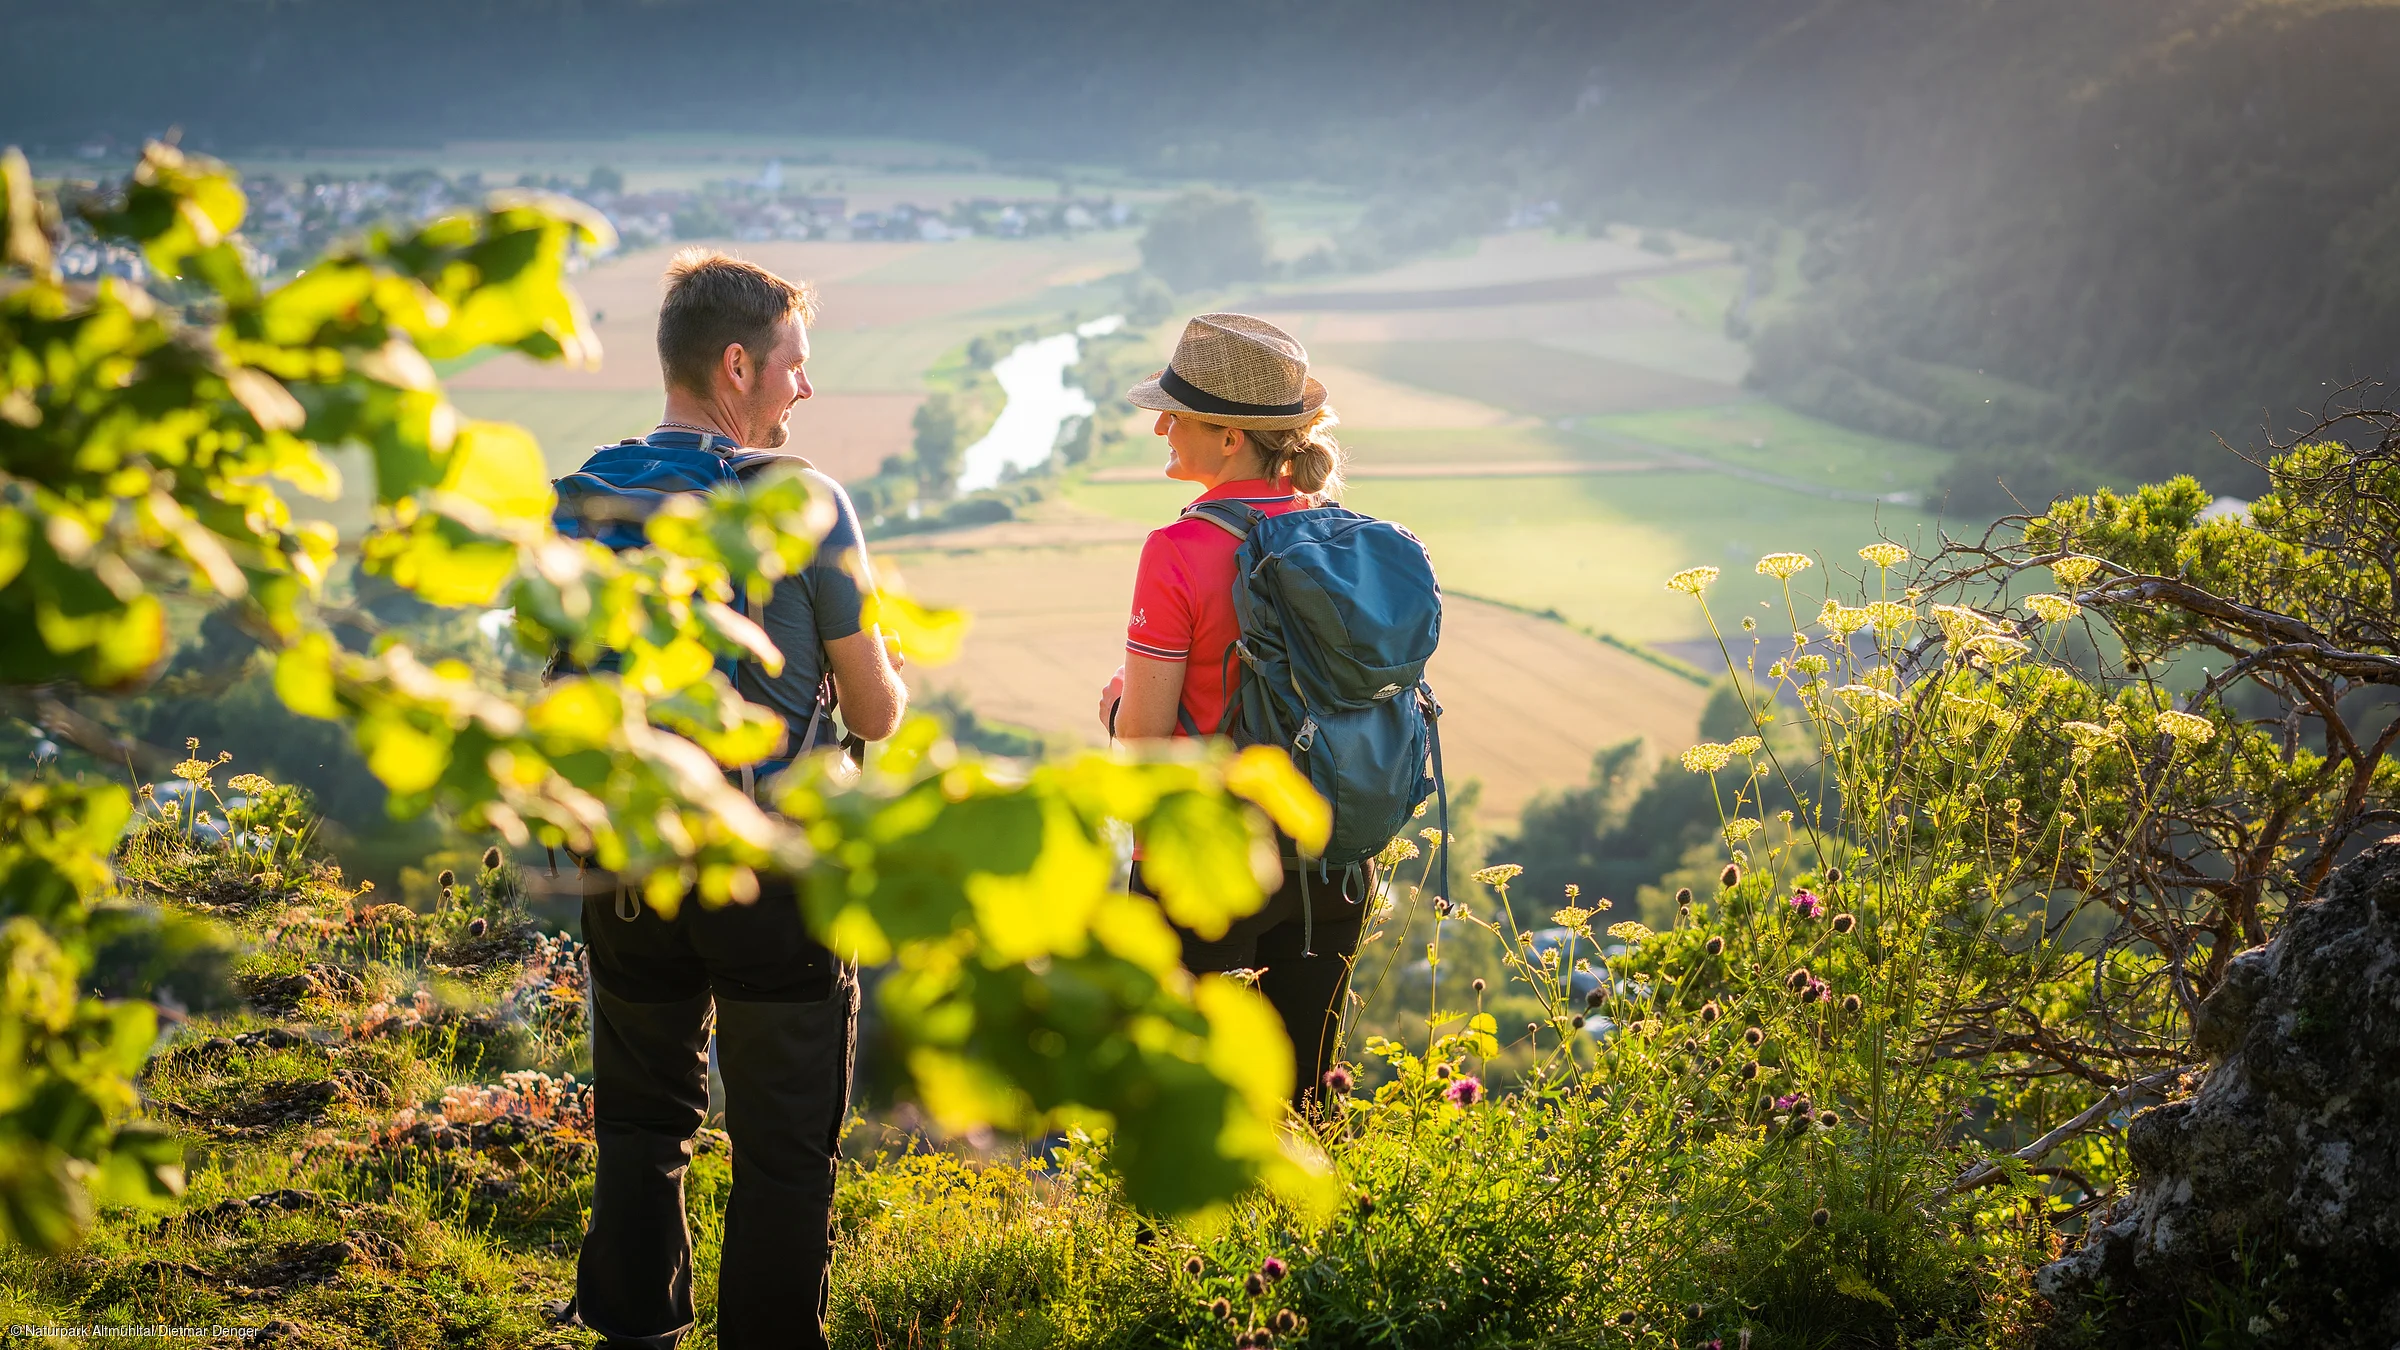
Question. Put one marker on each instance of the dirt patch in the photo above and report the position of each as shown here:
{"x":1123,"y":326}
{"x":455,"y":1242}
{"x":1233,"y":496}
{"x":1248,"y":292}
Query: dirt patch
{"x":284,"y":992}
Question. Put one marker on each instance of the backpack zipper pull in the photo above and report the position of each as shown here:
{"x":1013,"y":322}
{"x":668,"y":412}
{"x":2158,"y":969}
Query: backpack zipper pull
{"x":1307,"y":736}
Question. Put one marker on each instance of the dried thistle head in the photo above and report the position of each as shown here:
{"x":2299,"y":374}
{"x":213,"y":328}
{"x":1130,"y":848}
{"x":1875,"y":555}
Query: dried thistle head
{"x":1715,"y":946}
{"x":1755,"y":1037}
{"x":447,"y":879}
{"x":491,"y":858}
{"x":1731,"y":876}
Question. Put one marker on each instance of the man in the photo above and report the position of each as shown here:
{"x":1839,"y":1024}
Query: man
{"x":733,"y":343}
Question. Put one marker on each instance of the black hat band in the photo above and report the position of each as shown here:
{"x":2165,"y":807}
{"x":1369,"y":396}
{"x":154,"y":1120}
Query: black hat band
{"x":1199,"y":400}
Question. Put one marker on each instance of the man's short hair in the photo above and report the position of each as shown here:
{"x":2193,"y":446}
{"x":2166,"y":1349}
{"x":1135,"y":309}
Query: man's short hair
{"x":714,"y":300}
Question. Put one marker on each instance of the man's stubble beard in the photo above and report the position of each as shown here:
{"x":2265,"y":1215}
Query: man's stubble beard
{"x":777,"y":432}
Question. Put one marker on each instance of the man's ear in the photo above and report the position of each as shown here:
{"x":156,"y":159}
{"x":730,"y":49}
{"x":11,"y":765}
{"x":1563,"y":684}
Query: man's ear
{"x":734,"y":363}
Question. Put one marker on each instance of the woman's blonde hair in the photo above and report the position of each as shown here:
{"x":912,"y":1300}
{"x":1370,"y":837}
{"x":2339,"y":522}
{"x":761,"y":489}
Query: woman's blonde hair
{"x":1308,"y":454}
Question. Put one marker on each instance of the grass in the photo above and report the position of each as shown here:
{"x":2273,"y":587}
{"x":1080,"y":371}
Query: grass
{"x":1759,"y":435}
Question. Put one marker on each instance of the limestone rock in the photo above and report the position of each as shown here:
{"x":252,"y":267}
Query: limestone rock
{"x":2268,"y":1203}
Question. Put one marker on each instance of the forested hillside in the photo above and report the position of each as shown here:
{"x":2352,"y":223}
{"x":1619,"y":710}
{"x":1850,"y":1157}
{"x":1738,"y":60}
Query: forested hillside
{"x":2067,"y":238}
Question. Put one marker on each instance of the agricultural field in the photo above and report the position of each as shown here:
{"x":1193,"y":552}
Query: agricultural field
{"x":1567,"y":454}
{"x":1526,"y":700}
{"x":1561,"y":418}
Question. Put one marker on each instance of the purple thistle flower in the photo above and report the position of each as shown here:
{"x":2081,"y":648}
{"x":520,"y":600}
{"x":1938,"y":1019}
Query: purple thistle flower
{"x":1337,"y":1081}
{"x":1785,"y":1103}
{"x":1465,"y":1092}
{"x":1273,"y":1268}
{"x":1806,"y":904}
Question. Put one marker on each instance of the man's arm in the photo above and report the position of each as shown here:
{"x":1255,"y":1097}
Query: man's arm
{"x":866,"y":682}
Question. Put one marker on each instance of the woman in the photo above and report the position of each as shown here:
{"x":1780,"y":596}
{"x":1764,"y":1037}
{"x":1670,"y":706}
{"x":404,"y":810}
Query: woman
{"x":1243,"y":422}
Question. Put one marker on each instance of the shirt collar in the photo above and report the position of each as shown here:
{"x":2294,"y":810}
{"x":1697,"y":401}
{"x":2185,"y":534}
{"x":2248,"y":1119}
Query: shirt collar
{"x":1251,"y":490}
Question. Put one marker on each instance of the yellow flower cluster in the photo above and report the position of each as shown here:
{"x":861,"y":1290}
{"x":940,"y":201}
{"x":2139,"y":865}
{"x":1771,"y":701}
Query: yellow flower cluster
{"x":1692,"y":580}
{"x":1890,"y":617}
{"x":1960,"y":623}
{"x":2088,"y":735}
{"x":1811,"y":665}
{"x":1745,"y":745}
{"x":1964,"y":716}
{"x":1500,"y":874}
{"x":1400,"y":850}
{"x":2052,"y":608}
{"x":1629,"y":932}
{"x":1784,"y":566}
{"x":1868,"y":701}
{"x":1842,"y":620}
{"x":249,"y":784}
{"x":2073,"y":572}
{"x":1570,"y":917}
{"x":1707,"y":757}
{"x":1886,"y":554}
{"x":1740,"y":828}
{"x":1992,"y":648}
{"x":2186,"y":728}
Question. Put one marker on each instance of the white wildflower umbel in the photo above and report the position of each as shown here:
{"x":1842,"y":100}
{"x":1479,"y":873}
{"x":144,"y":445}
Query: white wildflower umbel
{"x":1964,"y":716}
{"x":1499,"y":874}
{"x":1890,"y":617}
{"x":1997,"y":649}
{"x":2073,"y":572}
{"x":2052,"y":608}
{"x":1784,"y":566}
{"x":1707,"y":757}
{"x":1842,"y":620}
{"x":1692,"y":580}
{"x":1960,"y":623}
{"x":1866,"y":700}
{"x":2189,"y":732}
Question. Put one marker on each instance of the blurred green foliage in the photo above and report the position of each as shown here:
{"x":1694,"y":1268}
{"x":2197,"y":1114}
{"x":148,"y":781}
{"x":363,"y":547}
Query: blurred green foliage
{"x":146,"y":444}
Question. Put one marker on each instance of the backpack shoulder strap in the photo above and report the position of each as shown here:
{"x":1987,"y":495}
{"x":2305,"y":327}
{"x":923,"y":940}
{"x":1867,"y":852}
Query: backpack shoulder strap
{"x":1234,"y":518}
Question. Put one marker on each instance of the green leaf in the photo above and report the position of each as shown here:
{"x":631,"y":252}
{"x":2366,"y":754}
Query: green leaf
{"x":1484,"y":1029}
{"x":498,"y":467}
{"x":1204,"y":862}
{"x":304,"y":677}
{"x":928,"y":637}
{"x":407,"y":759}
{"x":1264,"y":774}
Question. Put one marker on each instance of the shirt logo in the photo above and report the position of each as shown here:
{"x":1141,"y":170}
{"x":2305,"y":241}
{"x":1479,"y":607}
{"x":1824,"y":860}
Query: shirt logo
{"x":1138,"y":620}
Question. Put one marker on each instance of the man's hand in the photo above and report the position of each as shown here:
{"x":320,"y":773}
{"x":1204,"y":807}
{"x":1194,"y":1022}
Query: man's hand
{"x":1109,"y":694}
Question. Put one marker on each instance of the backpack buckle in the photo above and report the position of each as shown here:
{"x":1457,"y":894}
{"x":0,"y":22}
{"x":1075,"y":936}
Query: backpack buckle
{"x":1307,"y":736}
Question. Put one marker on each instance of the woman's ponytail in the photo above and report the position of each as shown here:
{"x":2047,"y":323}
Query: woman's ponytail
{"x":1307,"y":454}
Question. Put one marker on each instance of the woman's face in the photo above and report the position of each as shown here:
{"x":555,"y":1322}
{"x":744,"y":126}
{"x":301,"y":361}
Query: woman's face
{"x":1201,"y":452}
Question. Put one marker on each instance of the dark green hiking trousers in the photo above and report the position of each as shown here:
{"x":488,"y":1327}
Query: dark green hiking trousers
{"x":785,"y":1014}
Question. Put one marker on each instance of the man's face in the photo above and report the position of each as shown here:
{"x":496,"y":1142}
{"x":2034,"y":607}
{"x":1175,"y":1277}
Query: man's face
{"x":777,"y":385}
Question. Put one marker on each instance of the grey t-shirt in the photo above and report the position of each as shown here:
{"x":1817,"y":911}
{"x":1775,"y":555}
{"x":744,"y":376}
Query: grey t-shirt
{"x":819,"y":605}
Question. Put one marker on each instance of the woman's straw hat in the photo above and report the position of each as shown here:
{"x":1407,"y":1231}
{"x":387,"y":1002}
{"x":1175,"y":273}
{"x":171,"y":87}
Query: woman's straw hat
{"x":1235,"y":371}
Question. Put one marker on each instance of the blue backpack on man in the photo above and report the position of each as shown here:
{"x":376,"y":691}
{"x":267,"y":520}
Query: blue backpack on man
{"x":611,"y":498}
{"x":1339,"y":612}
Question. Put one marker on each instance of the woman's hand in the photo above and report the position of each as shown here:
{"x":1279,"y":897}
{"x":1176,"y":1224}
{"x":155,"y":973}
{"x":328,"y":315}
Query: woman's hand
{"x":1109,"y":694}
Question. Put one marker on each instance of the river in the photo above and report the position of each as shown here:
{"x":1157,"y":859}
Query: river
{"x":1040,"y":400}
